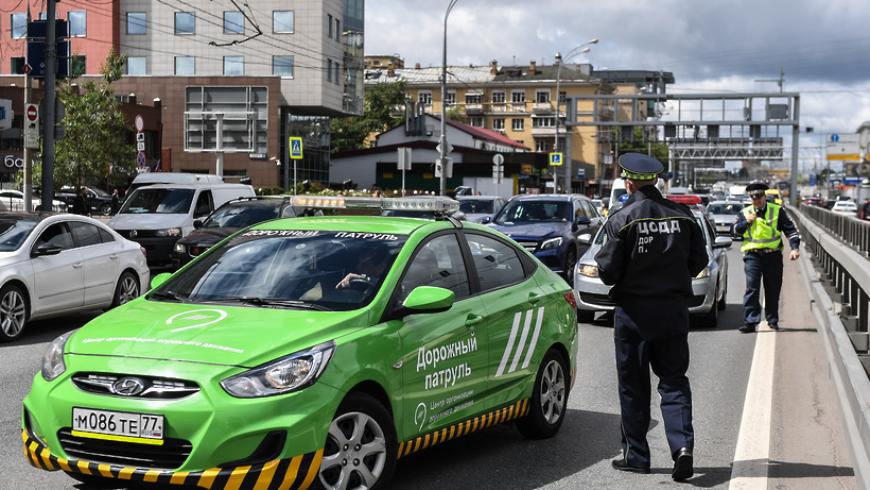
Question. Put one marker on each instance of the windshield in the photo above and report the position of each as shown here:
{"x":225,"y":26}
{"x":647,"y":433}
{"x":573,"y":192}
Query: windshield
{"x":100,"y":192}
{"x":732,"y":209}
{"x":320,"y":270}
{"x":240,"y":215}
{"x":13,"y":233}
{"x":521,"y":211}
{"x":475,"y":206}
{"x":158,"y":201}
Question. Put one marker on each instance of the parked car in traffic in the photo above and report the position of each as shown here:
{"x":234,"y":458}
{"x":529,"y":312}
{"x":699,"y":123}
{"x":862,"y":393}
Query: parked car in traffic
{"x":480,"y":209}
{"x":157,"y":216}
{"x":56,"y":264}
{"x":845,"y":208}
{"x":12,"y":200}
{"x":98,"y":201}
{"x":709,"y":288}
{"x":723,"y":215}
{"x":548,"y":225}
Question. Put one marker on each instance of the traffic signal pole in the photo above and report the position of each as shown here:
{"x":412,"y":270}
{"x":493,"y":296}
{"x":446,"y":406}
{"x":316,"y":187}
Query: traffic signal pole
{"x":49,"y":104}
{"x":28,"y":162}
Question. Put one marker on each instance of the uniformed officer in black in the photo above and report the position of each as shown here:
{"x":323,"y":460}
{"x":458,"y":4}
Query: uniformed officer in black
{"x":653,"y":250}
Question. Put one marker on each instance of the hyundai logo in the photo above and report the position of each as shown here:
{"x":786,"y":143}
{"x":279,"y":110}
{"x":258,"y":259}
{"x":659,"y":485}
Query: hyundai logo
{"x":133,"y":233}
{"x":128,"y":386}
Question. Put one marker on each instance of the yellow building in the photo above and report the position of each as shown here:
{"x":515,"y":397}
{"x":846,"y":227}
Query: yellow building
{"x":520,"y":102}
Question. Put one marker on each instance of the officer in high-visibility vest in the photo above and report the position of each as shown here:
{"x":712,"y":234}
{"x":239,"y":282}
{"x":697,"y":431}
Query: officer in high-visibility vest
{"x":761,"y":226}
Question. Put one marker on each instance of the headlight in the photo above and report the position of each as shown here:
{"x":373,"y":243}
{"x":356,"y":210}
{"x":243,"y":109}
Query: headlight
{"x":287,"y":374}
{"x":52,"y":360}
{"x":551,"y":243}
{"x":704,"y":273}
{"x":181,"y":248}
{"x":169,"y":232}
{"x":588,"y":270}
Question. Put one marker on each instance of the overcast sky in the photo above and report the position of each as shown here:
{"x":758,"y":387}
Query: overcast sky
{"x":716,"y":45}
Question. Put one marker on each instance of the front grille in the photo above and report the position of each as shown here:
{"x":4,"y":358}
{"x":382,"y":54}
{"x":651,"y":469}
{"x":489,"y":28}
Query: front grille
{"x":153,"y":387}
{"x":597,"y":299}
{"x":139,"y":234}
{"x":169,"y":456}
{"x":530,"y":246}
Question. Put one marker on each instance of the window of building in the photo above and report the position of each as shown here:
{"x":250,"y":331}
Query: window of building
{"x":328,"y":70}
{"x":337,"y":73}
{"x":451,"y":98}
{"x":337,"y":30}
{"x":498,"y":97}
{"x":234,"y":22}
{"x":518,"y":97}
{"x":424,"y":97}
{"x":282,"y":65}
{"x":77,"y":65}
{"x":543,"y":122}
{"x":78,"y":23}
{"x":474,"y":99}
{"x":185,"y":23}
{"x":19,"y":26}
{"x":136,"y":65}
{"x":240,"y":134}
{"x":542,"y":97}
{"x":185,"y":65}
{"x":329,"y":24}
{"x":17,"y":67}
{"x":498,"y":124}
{"x":234,"y":66}
{"x":476,"y":121}
{"x":282,"y":21}
{"x":543,"y":146}
{"x":562,"y":97}
{"x":136,"y":22}
{"x":518,"y":124}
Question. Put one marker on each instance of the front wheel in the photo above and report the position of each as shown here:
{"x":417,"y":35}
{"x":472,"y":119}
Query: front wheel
{"x":127,"y":289}
{"x":549,"y":399}
{"x":361,"y":447}
{"x":570,"y":262}
{"x":106,"y":210}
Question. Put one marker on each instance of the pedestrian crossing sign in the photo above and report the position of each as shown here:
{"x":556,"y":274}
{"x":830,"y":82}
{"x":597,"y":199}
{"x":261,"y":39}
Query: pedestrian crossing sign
{"x":556,"y":159}
{"x":295,"y":148}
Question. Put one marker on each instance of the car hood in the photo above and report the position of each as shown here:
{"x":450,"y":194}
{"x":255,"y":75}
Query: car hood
{"x":147,"y":221}
{"x":477,"y":217}
{"x":532,"y":230}
{"x":207,"y":236}
{"x":726,"y":218}
{"x":209,"y":333}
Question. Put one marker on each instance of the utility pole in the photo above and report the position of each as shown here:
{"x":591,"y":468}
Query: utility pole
{"x":50,"y":99}
{"x":779,"y":81}
{"x":28,"y":162}
{"x":442,"y":154}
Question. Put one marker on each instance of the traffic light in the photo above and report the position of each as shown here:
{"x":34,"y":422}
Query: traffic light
{"x":36,"y":33}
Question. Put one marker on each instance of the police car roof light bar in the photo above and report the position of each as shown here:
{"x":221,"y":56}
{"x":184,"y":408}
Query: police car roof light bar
{"x":438,"y":205}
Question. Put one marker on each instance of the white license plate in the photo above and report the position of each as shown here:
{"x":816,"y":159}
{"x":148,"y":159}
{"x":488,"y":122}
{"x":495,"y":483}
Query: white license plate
{"x":121,"y":426}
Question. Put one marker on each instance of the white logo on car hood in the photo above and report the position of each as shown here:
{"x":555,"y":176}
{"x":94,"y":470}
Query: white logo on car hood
{"x":195,"y":319}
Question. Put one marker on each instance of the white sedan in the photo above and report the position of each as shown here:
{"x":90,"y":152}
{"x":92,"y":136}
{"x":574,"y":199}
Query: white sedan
{"x":845,"y":208}
{"x":52,"y":265}
{"x":13,"y":200}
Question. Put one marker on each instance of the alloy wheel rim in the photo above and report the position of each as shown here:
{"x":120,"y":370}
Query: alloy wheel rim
{"x":553,"y":392}
{"x":355,"y":453}
{"x":129,"y":290}
{"x":12,"y":313}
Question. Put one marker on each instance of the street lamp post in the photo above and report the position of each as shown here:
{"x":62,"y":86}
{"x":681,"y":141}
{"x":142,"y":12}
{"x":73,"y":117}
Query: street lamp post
{"x":442,"y":157}
{"x":583,"y":48}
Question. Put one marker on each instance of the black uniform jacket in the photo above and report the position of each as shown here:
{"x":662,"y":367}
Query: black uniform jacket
{"x":653,"y":250}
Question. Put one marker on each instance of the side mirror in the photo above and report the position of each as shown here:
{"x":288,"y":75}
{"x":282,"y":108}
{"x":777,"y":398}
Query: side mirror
{"x":486,"y":220}
{"x":159,"y":279}
{"x":584,"y":239}
{"x":197,"y":223}
{"x":46,"y":250}
{"x":428,"y":299}
{"x":722,"y":242}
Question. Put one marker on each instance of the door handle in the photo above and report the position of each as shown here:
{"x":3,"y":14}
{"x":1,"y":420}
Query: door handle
{"x":77,"y":265}
{"x":472,"y":320}
{"x":534,"y":297}
{"x":113,"y":256}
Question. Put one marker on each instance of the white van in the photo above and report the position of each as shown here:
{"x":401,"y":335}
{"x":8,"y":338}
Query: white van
{"x":616,"y":191}
{"x":152,"y":178}
{"x":156,"y":216}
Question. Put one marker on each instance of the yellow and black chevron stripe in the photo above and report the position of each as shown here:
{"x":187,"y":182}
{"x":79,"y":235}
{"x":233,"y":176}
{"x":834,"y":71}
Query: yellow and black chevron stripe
{"x":460,"y":429}
{"x":298,"y":472}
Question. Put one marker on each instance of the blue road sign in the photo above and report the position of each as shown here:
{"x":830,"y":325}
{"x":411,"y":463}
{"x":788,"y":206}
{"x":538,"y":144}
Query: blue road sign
{"x":555,"y":159}
{"x":852,"y":181}
{"x":835,"y":138}
{"x":813,"y":179}
{"x":295,"y":148}
{"x":140,"y":159}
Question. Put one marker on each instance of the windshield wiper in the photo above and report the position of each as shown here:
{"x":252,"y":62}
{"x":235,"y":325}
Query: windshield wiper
{"x":170,"y":295}
{"x":283,"y":303}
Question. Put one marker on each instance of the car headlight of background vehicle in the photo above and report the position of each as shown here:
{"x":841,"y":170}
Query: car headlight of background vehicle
{"x":587,"y":270}
{"x":551,"y":243}
{"x":169,"y":232}
{"x":181,"y":248}
{"x":52,"y":361}
{"x":703,"y":274}
{"x":284,"y":375}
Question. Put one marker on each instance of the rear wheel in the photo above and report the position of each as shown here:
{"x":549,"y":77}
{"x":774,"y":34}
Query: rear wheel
{"x":360,"y":449}
{"x":13,"y":312}
{"x":711,"y":318}
{"x":549,"y":399}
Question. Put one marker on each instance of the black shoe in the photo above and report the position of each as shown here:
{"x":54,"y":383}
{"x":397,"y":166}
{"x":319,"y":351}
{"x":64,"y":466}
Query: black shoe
{"x":622,"y":465}
{"x":747,"y":329}
{"x":683,"y":469}
{"x":774,"y":326}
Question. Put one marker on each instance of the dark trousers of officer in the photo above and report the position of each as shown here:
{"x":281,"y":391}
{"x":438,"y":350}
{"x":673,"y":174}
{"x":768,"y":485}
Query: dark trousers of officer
{"x":653,"y":333}
{"x":766,"y":268}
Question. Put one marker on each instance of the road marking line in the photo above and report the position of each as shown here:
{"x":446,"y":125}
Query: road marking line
{"x":751,"y":457}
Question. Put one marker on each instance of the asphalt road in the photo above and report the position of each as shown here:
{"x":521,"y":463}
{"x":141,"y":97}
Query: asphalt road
{"x":806,"y":437}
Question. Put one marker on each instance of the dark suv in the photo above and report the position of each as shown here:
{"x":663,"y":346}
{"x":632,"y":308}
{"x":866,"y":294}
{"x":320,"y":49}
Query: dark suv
{"x":549,"y":225}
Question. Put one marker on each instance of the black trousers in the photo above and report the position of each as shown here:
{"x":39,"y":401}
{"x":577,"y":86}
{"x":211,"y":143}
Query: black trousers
{"x":762,"y":268}
{"x":650,"y":333}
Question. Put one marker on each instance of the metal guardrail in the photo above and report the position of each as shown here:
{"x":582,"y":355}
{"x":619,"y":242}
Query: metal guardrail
{"x":850,"y":230}
{"x":839,"y":285}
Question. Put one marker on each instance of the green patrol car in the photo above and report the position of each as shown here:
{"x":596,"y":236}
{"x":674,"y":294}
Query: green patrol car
{"x":309,"y":351}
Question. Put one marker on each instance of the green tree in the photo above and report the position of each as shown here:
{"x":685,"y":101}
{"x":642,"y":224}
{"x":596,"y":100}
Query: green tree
{"x":457,"y":113}
{"x":637,"y":145}
{"x":381,"y":103}
{"x":95,"y":148}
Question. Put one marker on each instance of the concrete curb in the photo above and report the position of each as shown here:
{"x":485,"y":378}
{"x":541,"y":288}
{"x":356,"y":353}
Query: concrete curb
{"x":850,"y":379}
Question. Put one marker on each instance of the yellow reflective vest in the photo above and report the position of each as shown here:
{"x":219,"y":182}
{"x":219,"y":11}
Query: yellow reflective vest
{"x":763,"y":233}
